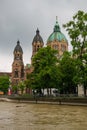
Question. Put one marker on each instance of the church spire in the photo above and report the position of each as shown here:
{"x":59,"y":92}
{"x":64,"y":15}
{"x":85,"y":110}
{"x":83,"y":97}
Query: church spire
{"x":56,"y":19}
{"x":37,"y":31}
{"x":56,"y":27}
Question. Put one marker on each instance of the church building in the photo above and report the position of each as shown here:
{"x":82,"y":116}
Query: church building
{"x":56,"y":40}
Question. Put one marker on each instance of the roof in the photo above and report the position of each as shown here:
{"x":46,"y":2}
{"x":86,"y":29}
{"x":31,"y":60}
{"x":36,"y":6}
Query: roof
{"x":57,"y":34}
{"x":18,"y":48}
{"x":5,"y":74}
{"x":37,"y":37}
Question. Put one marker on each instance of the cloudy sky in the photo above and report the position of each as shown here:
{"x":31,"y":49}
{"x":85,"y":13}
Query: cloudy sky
{"x":19,"y":20}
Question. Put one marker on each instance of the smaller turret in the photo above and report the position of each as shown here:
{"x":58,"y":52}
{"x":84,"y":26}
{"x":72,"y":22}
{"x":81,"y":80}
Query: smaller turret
{"x":37,"y":38}
{"x":37,"y":43}
{"x":18,"y":48}
{"x":18,"y":52}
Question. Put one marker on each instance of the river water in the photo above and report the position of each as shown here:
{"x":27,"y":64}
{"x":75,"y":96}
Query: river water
{"x":24,"y":116}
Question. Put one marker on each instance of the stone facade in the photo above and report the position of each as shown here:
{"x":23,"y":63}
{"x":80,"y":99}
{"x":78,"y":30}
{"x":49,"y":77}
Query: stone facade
{"x":60,"y":46}
{"x":37,"y":43}
{"x":18,"y":65}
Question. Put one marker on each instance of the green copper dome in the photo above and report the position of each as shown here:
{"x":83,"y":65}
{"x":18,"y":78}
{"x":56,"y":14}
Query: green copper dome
{"x":57,"y":34}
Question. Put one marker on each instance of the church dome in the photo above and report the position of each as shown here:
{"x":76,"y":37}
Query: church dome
{"x":37,"y":37}
{"x":57,"y":35}
{"x":18,"y":47}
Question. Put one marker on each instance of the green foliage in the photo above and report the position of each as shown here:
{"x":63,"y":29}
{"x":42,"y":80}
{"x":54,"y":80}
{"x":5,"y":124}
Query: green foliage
{"x":44,"y":58}
{"x":45,"y":74}
{"x":49,"y":72}
{"x":15,"y":89}
{"x":68,"y":69}
{"x":4,"y":84}
{"x":30,"y":81}
{"x":21,"y":86}
{"x":77,"y":30}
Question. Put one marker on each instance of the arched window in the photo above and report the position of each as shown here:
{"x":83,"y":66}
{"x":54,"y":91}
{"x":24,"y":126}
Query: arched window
{"x":38,"y":47}
{"x":63,"y":48}
{"x":16,"y":73}
{"x":55,"y":47}
{"x":22,"y":73}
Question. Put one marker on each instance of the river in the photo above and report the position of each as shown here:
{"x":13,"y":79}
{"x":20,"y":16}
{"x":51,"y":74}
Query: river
{"x":25,"y":116}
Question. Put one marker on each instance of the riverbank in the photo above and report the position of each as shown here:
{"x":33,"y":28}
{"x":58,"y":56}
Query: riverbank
{"x":75,"y":101}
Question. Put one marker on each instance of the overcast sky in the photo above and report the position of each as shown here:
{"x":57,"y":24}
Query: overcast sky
{"x":19,"y":20}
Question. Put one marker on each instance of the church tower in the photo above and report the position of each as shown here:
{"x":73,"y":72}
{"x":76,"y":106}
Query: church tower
{"x":37,"y":43}
{"x":57,"y":40}
{"x":18,"y":65}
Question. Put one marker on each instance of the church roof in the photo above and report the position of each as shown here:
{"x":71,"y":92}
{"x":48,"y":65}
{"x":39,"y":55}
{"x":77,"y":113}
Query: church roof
{"x":37,"y":37}
{"x":18,"y":48}
{"x":57,"y":34}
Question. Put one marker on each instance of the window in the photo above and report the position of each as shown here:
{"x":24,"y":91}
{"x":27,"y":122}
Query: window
{"x":63,"y":48}
{"x":55,"y":47}
{"x":22,"y":73}
{"x":38,"y":48}
{"x":16,"y":74}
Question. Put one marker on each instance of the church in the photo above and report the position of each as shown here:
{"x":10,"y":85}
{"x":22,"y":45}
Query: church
{"x":56,"y":40}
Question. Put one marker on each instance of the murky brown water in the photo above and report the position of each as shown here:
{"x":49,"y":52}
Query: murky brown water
{"x":15,"y":116}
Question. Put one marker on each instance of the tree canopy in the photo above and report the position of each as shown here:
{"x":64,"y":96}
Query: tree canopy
{"x":77,"y":30}
{"x":68,"y":70}
{"x":45,"y":74}
{"x":4,"y":84}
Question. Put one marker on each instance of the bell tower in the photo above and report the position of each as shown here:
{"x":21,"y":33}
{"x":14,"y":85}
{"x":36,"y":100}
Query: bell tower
{"x":18,"y":65}
{"x":37,"y":43}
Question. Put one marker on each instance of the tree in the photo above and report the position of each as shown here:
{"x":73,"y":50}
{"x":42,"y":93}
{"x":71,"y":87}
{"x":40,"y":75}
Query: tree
{"x":21,"y":86}
{"x":45,"y":74}
{"x":15,"y":89}
{"x":67,"y":67}
{"x":77,"y":30}
{"x":29,"y":82}
{"x":4,"y":84}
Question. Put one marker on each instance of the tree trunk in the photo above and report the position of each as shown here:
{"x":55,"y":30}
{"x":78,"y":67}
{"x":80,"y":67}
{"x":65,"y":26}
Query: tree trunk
{"x":84,"y":90}
{"x":48,"y":91}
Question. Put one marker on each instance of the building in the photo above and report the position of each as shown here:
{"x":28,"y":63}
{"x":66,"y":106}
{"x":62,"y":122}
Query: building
{"x":6,"y":74}
{"x":37,"y":43}
{"x":17,"y":65}
{"x":56,"y":40}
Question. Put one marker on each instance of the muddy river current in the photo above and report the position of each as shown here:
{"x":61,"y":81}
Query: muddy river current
{"x":25,"y":116}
